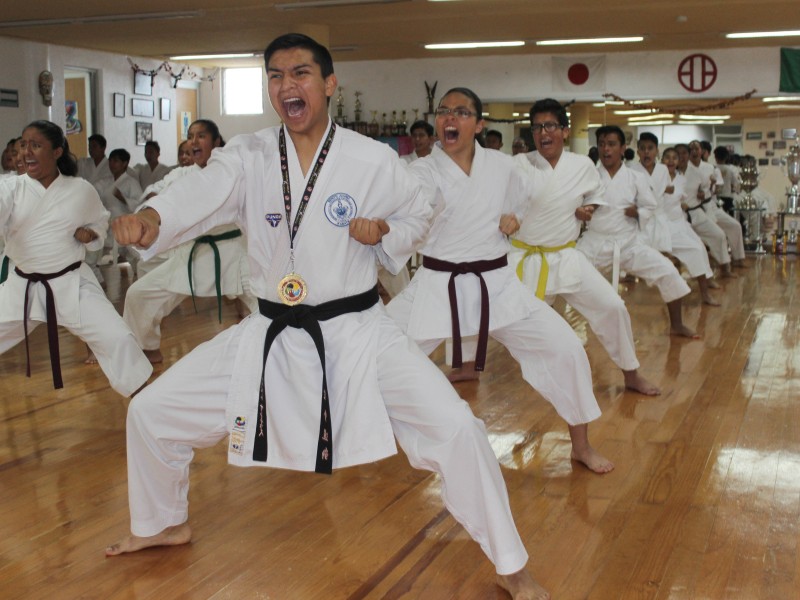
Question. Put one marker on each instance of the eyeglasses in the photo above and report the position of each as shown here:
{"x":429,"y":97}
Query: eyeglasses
{"x":461,"y":113}
{"x":549,"y":127}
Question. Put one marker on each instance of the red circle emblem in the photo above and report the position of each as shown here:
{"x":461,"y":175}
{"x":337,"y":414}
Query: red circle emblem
{"x":697,"y":73}
{"x":578,"y":74}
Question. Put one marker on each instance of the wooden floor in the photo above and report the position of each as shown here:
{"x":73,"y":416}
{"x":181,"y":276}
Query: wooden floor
{"x":704,"y":502}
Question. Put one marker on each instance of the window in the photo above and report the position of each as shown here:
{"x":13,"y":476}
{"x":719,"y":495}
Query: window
{"x":242,"y":91}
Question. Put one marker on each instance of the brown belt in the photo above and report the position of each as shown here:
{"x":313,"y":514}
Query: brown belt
{"x":476,"y":267}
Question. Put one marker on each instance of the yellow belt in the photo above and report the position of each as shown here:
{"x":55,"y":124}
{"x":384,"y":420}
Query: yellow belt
{"x":541,"y":285}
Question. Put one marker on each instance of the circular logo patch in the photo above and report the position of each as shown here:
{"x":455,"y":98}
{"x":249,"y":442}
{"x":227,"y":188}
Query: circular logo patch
{"x":340,"y":208}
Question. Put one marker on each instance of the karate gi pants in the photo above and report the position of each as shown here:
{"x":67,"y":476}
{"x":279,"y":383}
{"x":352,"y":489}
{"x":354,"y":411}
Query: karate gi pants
{"x":688,"y":248}
{"x":107,"y":336}
{"x":549,"y":353}
{"x":148,"y":301}
{"x":394,"y":284}
{"x":731,"y":227}
{"x":185,"y":409}
{"x":711,"y":235}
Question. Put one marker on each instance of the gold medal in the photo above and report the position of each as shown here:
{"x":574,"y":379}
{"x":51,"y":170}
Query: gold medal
{"x":292,"y":289}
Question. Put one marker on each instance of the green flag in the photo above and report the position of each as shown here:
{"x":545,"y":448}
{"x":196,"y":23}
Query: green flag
{"x":790,"y":70}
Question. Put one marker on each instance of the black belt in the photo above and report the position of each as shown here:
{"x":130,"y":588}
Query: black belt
{"x":52,"y":322}
{"x":307,"y":317}
{"x":698,"y":207}
{"x":476,"y":267}
{"x":4,"y":270}
{"x":212,"y":240}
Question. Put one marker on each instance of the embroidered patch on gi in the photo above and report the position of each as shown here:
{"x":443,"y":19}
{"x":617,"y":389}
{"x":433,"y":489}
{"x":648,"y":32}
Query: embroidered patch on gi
{"x":273,"y":218}
{"x":340,"y":208}
{"x":239,"y":423}
{"x":237,"y":443}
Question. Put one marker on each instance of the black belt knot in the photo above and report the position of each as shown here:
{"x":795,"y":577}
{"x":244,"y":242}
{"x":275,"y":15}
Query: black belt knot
{"x":212,"y":240}
{"x":306,"y":317}
{"x":52,"y":322}
{"x":476,"y":267}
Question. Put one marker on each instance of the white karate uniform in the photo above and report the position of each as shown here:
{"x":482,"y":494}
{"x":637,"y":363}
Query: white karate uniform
{"x":130,"y":190}
{"x":611,"y":232}
{"x":39,"y":225}
{"x":731,"y":227}
{"x":379,"y":383}
{"x":550,"y":221}
{"x":467,"y":211}
{"x":698,"y":179}
{"x":148,"y":176}
{"x":683,"y":243}
{"x":159,"y":291}
{"x":99,"y":175}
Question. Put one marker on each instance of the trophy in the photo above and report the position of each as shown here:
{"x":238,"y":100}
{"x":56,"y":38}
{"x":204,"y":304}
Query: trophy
{"x":792,"y":162}
{"x":748,"y":179}
{"x":358,"y":106}
{"x":340,"y":118}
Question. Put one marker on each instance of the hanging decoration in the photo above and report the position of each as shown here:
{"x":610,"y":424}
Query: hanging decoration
{"x":184,"y":73}
{"x":686,"y":110}
{"x":526,"y":118}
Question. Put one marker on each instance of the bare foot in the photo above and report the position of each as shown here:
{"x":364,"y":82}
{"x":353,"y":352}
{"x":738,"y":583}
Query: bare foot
{"x":466,"y":372}
{"x":91,"y":359}
{"x":593,"y":460}
{"x":739,"y":263}
{"x":728,"y":274}
{"x":713,"y":284}
{"x":685,"y":331}
{"x":637,"y":383}
{"x":154,"y":356}
{"x":521,"y":586}
{"x":710,"y":300}
{"x":242,"y":309}
{"x":171,"y":536}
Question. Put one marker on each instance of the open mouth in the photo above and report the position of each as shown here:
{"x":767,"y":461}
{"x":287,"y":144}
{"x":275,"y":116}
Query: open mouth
{"x":293,"y":107}
{"x":450,"y":134}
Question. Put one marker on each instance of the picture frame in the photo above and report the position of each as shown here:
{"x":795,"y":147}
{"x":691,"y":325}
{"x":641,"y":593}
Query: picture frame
{"x":770,"y":135}
{"x":753,"y":135}
{"x":142,"y":108}
{"x":763,"y":145}
{"x":165,"y":109}
{"x":119,"y":105}
{"x":779,"y":145}
{"x":789,"y":134}
{"x":144,"y":133}
{"x":776,"y":162}
{"x":142,"y":83}
{"x":762,"y":162}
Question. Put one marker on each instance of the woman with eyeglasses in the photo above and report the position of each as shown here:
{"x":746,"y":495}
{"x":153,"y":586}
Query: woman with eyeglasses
{"x":50,"y":218}
{"x":479,"y":199}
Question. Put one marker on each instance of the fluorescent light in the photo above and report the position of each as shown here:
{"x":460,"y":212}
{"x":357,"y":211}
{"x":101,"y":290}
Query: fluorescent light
{"x":762,"y":34}
{"x":599,"y":104}
{"x":784,"y":107}
{"x":593,"y":125}
{"x":609,"y":40}
{"x":648,"y":123}
{"x":329,"y":3}
{"x":782,"y":99}
{"x":213,"y":56}
{"x":464,"y":45}
{"x":642,"y":102}
{"x":634,"y":111}
{"x":654,"y":117}
{"x":704,"y":117}
{"x":711,"y":122}
{"x":183,"y":14}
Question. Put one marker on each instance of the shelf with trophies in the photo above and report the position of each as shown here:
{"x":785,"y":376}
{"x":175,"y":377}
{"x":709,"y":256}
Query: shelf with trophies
{"x":785,"y":239}
{"x":392,"y":128}
{"x":748,"y":210}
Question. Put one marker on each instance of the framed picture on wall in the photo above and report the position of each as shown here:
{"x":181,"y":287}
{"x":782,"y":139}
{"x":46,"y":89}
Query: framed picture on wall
{"x":753,"y":135}
{"x":779,"y":145}
{"x":789,"y":134}
{"x":119,"y":105}
{"x":144,"y":133}
{"x":142,"y":83}
{"x":165,"y":109}
{"x":142,"y":108}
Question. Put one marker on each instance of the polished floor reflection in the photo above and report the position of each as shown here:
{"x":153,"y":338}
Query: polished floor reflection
{"x":704,"y":501}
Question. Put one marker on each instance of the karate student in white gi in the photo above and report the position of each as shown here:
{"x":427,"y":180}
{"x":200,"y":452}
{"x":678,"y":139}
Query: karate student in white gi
{"x":151,"y":171}
{"x":614,"y":238}
{"x":566,"y":190}
{"x":124,"y":195}
{"x":698,"y":167}
{"x":668,"y":230}
{"x":313,"y":260}
{"x":465,"y":286}
{"x":49,"y":219}
{"x":160,"y":290}
{"x":94,"y":168}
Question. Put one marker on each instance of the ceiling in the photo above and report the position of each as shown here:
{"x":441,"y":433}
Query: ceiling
{"x":399,"y":28}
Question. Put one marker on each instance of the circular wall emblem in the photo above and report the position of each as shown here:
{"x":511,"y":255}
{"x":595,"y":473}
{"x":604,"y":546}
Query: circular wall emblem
{"x":697,"y":73}
{"x":340,"y":208}
{"x":578,"y":74}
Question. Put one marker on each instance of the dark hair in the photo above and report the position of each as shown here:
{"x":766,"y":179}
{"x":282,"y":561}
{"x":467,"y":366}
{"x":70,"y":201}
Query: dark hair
{"x":495,"y":133}
{"x":548,"y":105}
{"x":121,"y":154}
{"x":297,"y":40}
{"x":212,"y":128}
{"x":469,"y":94}
{"x":152,"y":144}
{"x":629,"y":154}
{"x":648,"y":137}
{"x":594,"y":154}
{"x":721,"y":154}
{"x":66,"y":163}
{"x":99,"y":139}
{"x":610,"y":130}
{"x":670,"y":149}
{"x":679,"y":147}
{"x":705,"y":145}
{"x":422,"y":125}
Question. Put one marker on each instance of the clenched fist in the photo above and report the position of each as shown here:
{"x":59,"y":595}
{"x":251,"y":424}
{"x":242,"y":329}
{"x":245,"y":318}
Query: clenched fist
{"x":140,"y":229}
{"x":509,"y":224}
{"x":368,"y":231}
{"x":84,"y":235}
{"x":584,"y":213}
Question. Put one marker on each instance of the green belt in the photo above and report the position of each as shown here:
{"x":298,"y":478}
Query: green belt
{"x":212,"y":240}
{"x":4,"y":270}
{"x":541,"y":285}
